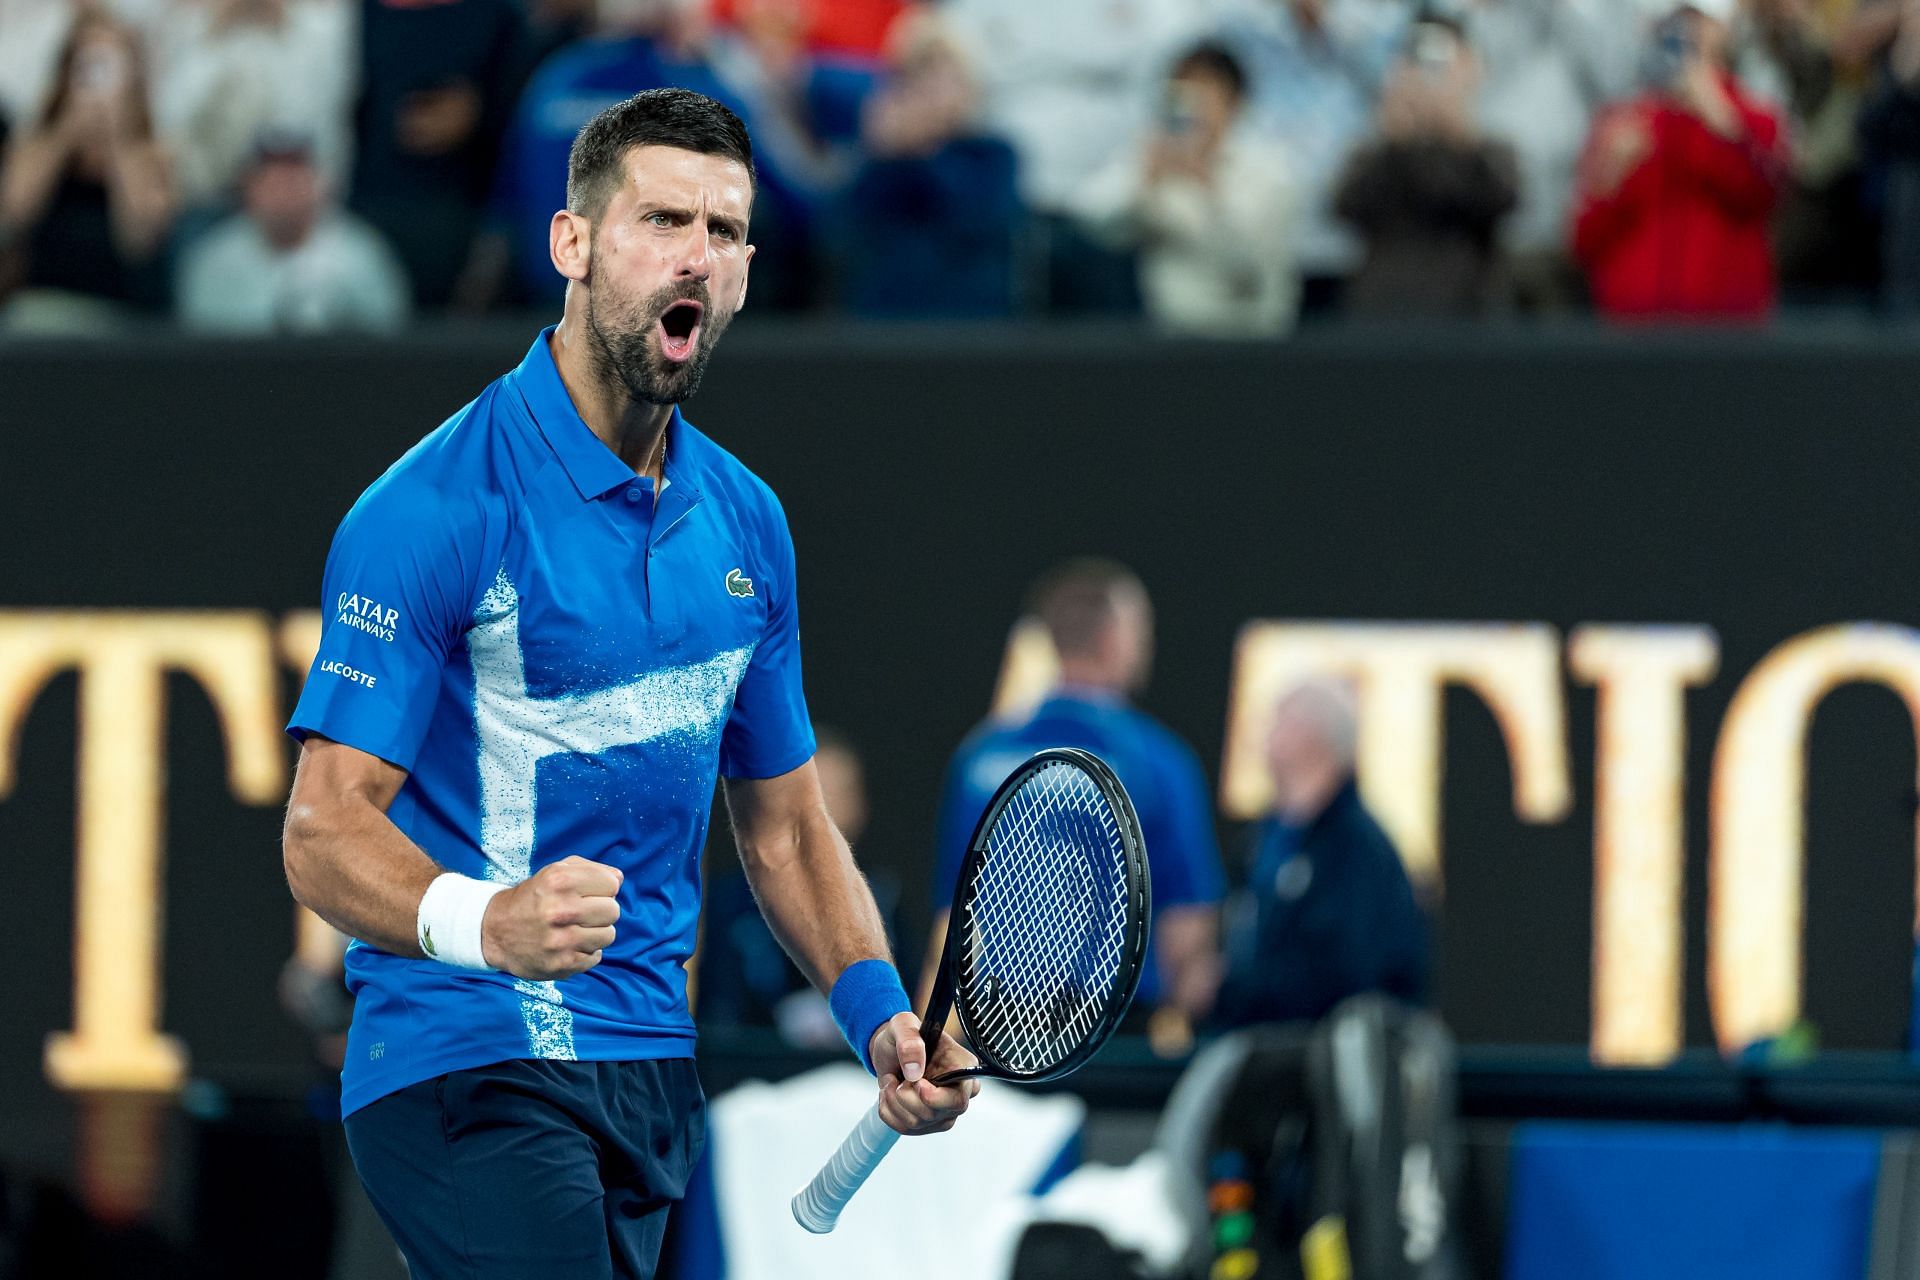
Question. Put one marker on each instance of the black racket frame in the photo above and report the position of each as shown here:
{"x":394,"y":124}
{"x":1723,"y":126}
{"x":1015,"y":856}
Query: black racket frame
{"x":941,"y":1001}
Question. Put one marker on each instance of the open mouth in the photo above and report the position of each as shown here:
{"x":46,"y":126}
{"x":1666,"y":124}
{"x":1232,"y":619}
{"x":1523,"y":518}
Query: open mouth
{"x":680,"y":330}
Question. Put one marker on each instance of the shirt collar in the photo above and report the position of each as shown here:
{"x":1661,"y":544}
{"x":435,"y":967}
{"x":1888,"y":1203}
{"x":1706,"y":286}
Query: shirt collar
{"x":593,"y":468}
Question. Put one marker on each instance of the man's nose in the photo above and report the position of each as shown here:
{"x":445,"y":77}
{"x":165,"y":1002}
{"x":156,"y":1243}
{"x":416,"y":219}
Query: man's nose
{"x":694,"y":260}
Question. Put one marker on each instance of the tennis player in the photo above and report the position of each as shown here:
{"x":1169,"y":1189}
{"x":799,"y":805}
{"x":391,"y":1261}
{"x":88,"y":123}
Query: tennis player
{"x":549,"y":628}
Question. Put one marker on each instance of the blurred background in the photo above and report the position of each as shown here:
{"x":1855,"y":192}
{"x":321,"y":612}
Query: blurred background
{"x":1466,"y":447}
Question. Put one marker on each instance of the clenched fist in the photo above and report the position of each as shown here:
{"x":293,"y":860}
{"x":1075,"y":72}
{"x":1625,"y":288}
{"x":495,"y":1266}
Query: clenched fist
{"x":553,"y":924}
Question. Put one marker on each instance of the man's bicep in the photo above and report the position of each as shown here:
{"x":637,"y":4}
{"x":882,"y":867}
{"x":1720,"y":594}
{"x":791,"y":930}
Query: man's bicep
{"x":329,"y":774}
{"x":769,"y":813}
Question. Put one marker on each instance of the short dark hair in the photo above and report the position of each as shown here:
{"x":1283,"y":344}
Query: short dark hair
{"x":1214,"y":59}
{"x":652,"y":118}
{"x":1078,"y":599}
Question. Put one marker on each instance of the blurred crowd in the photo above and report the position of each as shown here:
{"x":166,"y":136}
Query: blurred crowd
{"x":1220,"y":166}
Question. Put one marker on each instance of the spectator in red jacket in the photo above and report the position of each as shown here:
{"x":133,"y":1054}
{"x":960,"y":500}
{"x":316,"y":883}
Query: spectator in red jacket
{"x":827,"y":28}
{"x":1678,"y":185}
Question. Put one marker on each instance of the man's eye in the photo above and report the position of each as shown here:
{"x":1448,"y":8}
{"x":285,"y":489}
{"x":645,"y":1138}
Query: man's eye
{"x":724,"y":231}
{"x":660,"y":220}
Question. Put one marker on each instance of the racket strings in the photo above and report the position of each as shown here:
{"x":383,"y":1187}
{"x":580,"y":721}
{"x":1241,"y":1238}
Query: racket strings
{"x":1044,"y":929}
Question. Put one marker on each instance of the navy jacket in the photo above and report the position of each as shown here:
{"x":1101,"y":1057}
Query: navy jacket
{"x":1329,"y":914}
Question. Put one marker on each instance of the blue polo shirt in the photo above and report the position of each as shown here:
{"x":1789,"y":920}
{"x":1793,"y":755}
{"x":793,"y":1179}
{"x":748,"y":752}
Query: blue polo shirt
{"x":1160,"y":772}
{"x":564,"y":662}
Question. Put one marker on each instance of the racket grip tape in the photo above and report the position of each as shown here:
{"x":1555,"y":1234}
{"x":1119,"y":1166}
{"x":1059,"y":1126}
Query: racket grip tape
{"x":817,"y":1206}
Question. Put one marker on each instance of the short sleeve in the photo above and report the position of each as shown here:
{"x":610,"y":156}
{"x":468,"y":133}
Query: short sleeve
{"x":1184,"y":852}
{"x":397,"y":592}
{"x":769,"y":732}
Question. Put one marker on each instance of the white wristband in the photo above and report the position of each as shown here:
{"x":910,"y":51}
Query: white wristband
{"x":448,"y":928}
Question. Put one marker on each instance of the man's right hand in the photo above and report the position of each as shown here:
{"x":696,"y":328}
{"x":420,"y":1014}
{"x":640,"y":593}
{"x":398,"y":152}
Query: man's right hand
{"x":553,"y":924}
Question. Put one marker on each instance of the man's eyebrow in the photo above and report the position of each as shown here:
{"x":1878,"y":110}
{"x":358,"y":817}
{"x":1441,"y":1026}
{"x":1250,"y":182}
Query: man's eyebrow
{"x":682,"y":214}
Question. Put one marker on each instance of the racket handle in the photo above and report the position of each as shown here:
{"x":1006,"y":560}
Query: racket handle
{"x":817,"y":1206}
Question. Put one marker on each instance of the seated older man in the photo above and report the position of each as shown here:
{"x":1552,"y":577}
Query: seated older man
{"x":1328,"y":911}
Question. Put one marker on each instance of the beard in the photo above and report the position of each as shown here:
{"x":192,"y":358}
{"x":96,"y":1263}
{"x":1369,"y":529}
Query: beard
{"x":624,"y":337}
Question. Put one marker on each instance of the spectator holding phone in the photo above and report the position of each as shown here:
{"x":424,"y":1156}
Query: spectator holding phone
{"x":1428,"y":194}
{"x":1314,"y":70}
{"x":1678,"y":185}
{"x":87,"y":190}
{"x":1207,"y":202}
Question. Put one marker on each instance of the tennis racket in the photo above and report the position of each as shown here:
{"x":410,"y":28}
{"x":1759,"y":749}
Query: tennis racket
{"x":1045,"y":944}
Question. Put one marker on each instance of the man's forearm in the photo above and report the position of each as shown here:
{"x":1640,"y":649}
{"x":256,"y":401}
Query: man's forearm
{"x":815,"y":899}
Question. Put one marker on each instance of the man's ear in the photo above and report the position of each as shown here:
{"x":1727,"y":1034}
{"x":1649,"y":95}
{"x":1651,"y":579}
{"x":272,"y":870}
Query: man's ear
{"x":741,"y":301}
{"x":569,"y":244}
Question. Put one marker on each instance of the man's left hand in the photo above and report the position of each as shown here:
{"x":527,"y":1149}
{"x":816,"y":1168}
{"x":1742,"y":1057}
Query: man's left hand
{"x":909,"y":1100}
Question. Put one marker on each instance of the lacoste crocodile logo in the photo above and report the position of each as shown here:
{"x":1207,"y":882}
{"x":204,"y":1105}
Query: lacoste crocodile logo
{"x":737,"y":585}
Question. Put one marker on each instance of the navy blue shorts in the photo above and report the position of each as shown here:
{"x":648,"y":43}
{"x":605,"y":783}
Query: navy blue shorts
{"x":532,"y":1168}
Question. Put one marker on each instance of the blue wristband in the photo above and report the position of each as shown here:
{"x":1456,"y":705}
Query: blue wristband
{"x":865,"y":996}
